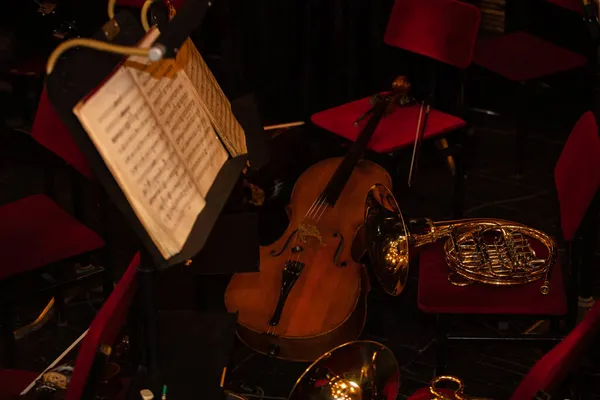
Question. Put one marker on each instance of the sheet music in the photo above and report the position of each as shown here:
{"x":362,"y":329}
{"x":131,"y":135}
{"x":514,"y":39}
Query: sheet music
{"x":207,"y":90}
{"x":215,"y":101}
{"x":183,"y":119}
{"x":142,"y":159}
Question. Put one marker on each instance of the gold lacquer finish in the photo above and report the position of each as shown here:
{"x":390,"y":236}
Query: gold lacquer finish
{"x":386,"y":240}
{"x":484,"y":250}
{"x":459,"y":392}
{"x":360,"y":370}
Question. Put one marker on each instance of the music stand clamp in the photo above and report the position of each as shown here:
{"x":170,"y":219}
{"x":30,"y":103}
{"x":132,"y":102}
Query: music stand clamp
{"x":77,"y":76}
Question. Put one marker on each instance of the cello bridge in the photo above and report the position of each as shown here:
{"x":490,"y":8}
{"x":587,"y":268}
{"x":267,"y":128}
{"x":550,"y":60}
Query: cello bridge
{"x":306,"y":231}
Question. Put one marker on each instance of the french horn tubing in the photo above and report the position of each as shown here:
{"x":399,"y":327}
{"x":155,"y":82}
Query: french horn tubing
{"x":485,"y":250}
{"x":459,"y":392}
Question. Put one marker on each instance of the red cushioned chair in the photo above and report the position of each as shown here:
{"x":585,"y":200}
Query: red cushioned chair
{"x":50,"y":132}
{"x":554,"y":367}
{"x":523,"y":58}
{"x":104,"y":330}
{"x":442,"y":30}
{"x":577,"y":177}
{"x":39,"y":237}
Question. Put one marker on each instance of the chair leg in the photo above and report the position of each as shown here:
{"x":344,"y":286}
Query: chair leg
{"x":442,"y":144}
{"x":8,"y":337}
{"x":441,"y":348}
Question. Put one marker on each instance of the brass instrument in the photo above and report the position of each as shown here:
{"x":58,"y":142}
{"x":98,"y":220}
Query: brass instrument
{"x":459,"y":393}
{"x":485,"y":250}
{"x":360,"y":370}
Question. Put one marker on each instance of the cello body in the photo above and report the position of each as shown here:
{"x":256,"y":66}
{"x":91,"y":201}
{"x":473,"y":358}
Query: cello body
{"x":325,"y":306}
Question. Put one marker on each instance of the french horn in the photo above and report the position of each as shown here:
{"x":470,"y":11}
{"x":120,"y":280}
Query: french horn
{"x":458,"y":393}
{"x":484,"y":250}
{"x":359,"y":370}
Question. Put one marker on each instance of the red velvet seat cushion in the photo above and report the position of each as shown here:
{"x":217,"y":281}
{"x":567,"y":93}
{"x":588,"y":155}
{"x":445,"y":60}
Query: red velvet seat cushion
{"x":573,"y":5}
{"x":520,"y":57}
{"x":34,"y":232}
{"x":425,"y":394}
{"x":49,"y":131}
{"x":577,"y":173}
{"x":394,"y":131}
{"x":438,"y":296}
{"x":13,"y":382}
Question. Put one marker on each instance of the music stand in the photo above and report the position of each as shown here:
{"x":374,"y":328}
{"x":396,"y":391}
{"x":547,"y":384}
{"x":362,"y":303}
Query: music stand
{"x":84,"y":70}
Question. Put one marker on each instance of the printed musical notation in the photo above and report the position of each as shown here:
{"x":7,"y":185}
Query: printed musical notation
{"x":190,"y":64}
{"x":214,"y":100}
{"x":159,"y":127}
{"x":144,"y":160}
{"x":189,"y":128}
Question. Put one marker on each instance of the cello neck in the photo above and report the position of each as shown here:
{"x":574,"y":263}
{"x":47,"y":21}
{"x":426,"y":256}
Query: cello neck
{"x":338,"y":181}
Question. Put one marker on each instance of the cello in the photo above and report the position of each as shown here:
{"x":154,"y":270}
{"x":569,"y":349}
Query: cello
{"x":310,"y":293}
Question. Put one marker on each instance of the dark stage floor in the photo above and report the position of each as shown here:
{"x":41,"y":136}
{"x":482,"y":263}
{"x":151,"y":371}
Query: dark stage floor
{"x":490,"y":369}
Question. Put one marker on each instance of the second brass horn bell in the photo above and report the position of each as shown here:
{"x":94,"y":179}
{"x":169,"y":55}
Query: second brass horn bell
{"x":360,"y":370}
{"x":485,"y":250}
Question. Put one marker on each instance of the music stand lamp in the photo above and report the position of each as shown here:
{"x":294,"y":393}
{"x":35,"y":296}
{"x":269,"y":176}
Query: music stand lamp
{"x":82,"y":72}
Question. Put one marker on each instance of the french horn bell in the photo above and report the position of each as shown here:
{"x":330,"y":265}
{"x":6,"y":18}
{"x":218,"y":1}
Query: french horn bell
{"x":359,"y":370}
{"x":485,"y":250}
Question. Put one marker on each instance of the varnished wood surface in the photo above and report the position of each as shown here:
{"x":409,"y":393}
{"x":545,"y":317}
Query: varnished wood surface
{"x":325,"y":294}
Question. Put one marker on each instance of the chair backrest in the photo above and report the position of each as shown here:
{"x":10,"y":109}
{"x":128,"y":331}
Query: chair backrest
{"x":49,"y":131}
{"x":445,"y":30}
{"x":104,"y":329}
{"x":554,"y":367}
{"x":577,"y":174}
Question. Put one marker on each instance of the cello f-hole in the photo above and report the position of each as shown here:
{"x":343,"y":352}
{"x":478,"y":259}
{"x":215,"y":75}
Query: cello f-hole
{"x":275,"y":253}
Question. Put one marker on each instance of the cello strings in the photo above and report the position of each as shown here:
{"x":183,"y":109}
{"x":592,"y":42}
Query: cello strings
{"x":318,"y":203}
{"x":321,"y":206}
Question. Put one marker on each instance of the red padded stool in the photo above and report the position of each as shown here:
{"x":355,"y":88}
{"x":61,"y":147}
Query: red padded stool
{"x":441,"y":30}
{"x":402,"y":122}
{"x":521,"y":57}
{"x":438,"y":296}
{"x":104,"y":330}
